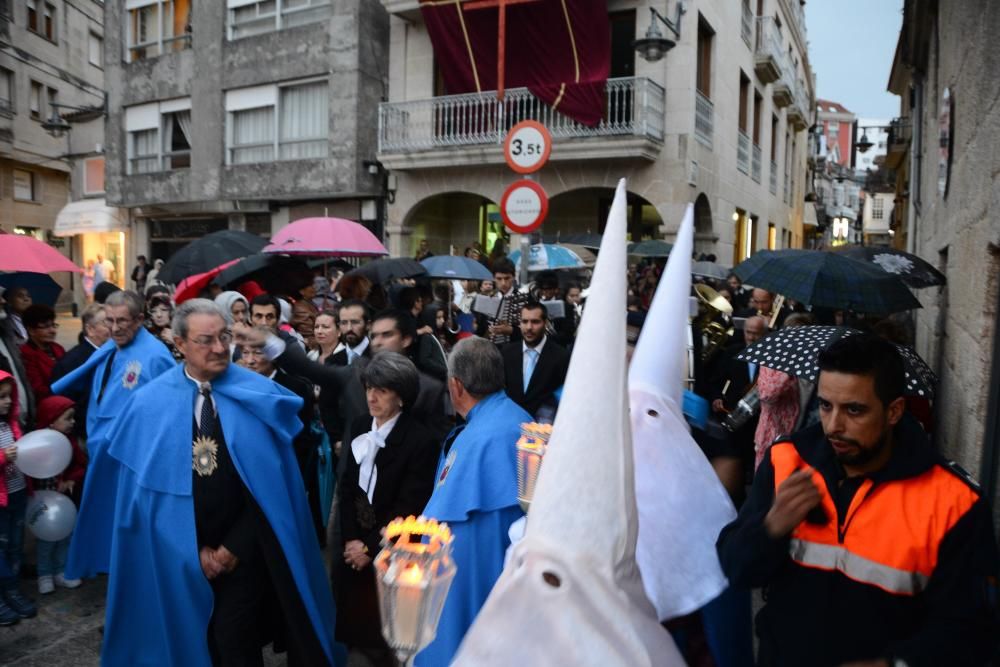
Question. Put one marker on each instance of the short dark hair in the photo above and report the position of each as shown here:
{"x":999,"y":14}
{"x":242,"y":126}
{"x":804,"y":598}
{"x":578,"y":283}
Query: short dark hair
{"x":536,"y":305}
{"x":546,"y":280}
{"x":36,"y":314}
{"x":266,"y":299}
{"x":407,"y":297}
{"x":504,"y":265}
{"x":405,"y":323}
{"x":869,"y":355}
{"x":357,"y":303}
{"x":393,"y":371}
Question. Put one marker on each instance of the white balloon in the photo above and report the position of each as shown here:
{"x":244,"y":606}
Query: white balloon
{"x":50,"y":515}
{"x":43,"y":453}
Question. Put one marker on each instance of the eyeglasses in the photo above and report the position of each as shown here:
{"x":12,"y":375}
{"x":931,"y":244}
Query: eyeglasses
{"x":226,"y":337}
{"x":121,"y":322}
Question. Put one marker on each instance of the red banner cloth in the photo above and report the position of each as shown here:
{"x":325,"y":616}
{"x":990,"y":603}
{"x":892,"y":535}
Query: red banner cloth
{"x":559,"y":49}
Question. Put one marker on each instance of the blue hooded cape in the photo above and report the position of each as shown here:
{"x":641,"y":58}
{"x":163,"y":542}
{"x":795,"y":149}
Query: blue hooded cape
{"x":476,"y":495}
{"x":135,"y":365}
{"x":159,"y":601}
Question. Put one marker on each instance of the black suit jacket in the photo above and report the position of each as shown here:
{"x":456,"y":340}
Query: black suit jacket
{"x":70,"y":361}
{"x":340,"y":358}
{"x":549,"y":375}
{"x":406,"y":467}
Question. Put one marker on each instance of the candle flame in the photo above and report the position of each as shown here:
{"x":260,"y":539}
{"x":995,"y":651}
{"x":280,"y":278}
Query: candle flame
{"x":412,"y":575}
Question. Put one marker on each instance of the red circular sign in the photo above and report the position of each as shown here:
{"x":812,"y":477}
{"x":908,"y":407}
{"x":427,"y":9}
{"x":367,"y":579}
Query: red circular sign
{"x":524,"y":206}
{"x":527,"y":147}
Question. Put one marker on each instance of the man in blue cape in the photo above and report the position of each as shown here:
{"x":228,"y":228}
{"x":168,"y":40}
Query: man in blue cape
{"x":214,"y":553}
{"x":131,"y":359}
{"x":476,"y":488}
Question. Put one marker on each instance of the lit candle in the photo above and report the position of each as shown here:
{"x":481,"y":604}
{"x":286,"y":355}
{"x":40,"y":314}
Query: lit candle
{"x":409,"y":596}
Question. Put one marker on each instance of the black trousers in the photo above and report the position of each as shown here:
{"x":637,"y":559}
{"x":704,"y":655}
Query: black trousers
{"x":234,"y":631}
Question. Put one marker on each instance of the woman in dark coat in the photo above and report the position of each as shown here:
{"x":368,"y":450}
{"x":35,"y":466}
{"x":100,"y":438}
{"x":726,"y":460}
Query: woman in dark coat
{"x":391,"y":461}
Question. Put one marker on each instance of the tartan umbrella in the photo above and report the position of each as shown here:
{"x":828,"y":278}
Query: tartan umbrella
{"x":912,"y":270}
{"x":796,"y":351}
{"x":826,"y":279}
{"x":652,"y":248}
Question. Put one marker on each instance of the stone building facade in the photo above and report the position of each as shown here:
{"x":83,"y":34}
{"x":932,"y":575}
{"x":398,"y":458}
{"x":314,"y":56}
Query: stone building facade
{"x":720,"y":122}
{"x":242,"y":114}
{"x":947,"y":146}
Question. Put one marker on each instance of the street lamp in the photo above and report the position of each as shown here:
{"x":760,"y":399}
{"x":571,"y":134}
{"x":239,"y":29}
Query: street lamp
{"x":57,"y":126}
{"x":654,"y":45}
{"x":864,"y":144}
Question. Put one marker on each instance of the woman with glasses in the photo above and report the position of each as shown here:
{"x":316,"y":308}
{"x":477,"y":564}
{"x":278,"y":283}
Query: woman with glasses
{"x":160,"y":310}
{"x":41,"y":352}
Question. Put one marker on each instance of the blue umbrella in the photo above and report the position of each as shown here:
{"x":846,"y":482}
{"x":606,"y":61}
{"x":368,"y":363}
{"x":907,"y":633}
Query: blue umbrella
{"x":546,"y":256}
{"x":455,"y":268}
{"x":41,"y":286}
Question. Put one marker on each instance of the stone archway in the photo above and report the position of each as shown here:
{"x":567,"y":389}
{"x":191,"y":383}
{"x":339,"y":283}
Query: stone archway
{"x":585,"y":210}
{"x":705,"y":236}
{"x":454,"y":221}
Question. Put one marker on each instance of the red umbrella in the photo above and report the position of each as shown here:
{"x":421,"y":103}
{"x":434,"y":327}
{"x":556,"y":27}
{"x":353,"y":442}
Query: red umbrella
{"x":326,"y":237}
{"x":192,"y":286}
{"x":25,"y":253}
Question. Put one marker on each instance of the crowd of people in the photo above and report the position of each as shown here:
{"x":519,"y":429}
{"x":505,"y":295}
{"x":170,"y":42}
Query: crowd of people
{"x":199,"y":430}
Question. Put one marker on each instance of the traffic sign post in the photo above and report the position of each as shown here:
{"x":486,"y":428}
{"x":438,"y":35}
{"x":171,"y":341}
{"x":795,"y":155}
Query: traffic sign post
{"x":527,"y":147}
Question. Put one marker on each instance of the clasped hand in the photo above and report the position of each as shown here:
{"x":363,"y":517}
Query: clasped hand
{"x":356,"y":554}
{"x":215,"y":562}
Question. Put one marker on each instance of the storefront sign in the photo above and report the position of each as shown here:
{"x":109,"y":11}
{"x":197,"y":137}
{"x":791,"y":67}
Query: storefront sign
{"x":527,"y":147}
{"x":524,"y":206}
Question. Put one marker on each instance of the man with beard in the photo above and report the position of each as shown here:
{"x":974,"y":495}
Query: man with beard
{"x":535,"y":367}
{"x":874,"y":550}
{"x":355,"y":317}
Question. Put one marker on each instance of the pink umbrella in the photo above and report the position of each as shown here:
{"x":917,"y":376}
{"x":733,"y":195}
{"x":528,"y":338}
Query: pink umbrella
{"x":330,"y":237}
{"x":25,"y":253}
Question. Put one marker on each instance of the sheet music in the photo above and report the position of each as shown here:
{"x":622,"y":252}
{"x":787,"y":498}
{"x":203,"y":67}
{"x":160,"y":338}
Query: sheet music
{"x":487,"y":305}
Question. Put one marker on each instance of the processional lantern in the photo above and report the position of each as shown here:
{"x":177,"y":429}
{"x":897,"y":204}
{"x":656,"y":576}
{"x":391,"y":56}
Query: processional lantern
{"x":531,"y":448}
{"x":413,"y":573}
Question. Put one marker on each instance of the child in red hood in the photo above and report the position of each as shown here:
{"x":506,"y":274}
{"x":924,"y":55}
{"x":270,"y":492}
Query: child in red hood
{"x":58,"y":413}
{"x":13,"y":503}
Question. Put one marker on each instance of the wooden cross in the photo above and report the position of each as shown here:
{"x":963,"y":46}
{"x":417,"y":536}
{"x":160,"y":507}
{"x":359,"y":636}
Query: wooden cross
{"x":501,"y":6}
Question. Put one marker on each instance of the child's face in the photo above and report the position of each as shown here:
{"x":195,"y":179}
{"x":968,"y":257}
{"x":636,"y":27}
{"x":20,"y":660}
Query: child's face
{"x":65,"y":422}
{"x":6,"y":397}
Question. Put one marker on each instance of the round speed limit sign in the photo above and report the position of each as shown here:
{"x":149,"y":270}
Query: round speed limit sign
{"x":527,"y":147}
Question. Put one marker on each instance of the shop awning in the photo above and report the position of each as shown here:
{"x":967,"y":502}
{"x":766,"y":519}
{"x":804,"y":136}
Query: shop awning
{"x":89,"y":215}
{"x":809,"y":214}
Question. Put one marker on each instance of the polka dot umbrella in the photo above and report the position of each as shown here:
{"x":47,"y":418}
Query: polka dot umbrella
{"x":796,"y":351}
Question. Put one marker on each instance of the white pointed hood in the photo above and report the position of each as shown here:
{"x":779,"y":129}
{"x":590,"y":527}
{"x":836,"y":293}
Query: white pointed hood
{"x":571,"y":593}
{"x":681,"y":502}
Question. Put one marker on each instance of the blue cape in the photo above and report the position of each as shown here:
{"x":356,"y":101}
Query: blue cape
{"x":476,"y":494}
{"x":134,"y":366}
{"x":159,"y":602}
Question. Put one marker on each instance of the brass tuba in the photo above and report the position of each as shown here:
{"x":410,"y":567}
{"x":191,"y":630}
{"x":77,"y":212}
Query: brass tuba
{"x":714,"y":320}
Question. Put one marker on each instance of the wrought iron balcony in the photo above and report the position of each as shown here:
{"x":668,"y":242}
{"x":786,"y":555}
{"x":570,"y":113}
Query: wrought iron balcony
{"x":634,"y":110}
{"x":743,"y":153}
{"x":755,"y":163}
{"x":704,"y":122}
{"x":768,"y":52}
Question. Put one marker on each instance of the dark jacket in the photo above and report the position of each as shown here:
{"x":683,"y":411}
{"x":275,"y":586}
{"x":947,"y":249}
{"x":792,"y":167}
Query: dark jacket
{"x":73,"y":359}
{"x":27,"y":401}
{"x":548,"y":376}
{"x":816,"y":615}
{"x":403,"y":485}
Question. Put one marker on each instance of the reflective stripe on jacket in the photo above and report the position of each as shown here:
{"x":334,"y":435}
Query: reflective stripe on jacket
{"x":891,"y":534}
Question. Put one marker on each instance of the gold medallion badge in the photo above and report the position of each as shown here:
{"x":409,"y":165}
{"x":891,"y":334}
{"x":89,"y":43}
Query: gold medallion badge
{"x":203,"y":455}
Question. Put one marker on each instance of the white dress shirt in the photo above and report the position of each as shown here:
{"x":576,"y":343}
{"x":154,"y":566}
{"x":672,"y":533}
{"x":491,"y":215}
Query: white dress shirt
{"x":365,"y":448}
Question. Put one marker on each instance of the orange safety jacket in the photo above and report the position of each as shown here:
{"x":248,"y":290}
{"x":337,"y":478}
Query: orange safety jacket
{"x":892,"y":532}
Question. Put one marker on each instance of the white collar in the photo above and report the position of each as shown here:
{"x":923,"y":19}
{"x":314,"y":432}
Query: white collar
{"x":92,"y":344}
{"x":198,"y":383}
{"x":273,"y":373}
{"x":537,"y":348}
{"x":387,"y":427}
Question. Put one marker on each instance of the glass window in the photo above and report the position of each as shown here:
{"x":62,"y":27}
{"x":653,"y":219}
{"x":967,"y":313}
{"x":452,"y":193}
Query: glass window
{"x":24,"y":185}
{"x":159,"y":135}
{"x":145,"y":156}
{"x":158,"y":28}
{"x":304,"y":121}
{"x":267,"y":15}
{"x":49,"y":22}
{"x":253,"y":135}
{"x":177,"y":139}
{"x":32,"y":15}
{"x":35,"y":101}
{"x":93,"y":176}
{"x":6,"y":91}
{"x":96,"y":50}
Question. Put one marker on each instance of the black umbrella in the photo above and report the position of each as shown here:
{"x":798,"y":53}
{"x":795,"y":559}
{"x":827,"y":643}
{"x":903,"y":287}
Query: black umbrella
{"x":208,"y":252}
{"x":826,"y":279}
{"x":381,"y":271}
{"x":651,"y":248}
{"x":912,"y":270}
{"x":272,"y":272}
{"x":588,"y":240}
{"x":796,"y":351}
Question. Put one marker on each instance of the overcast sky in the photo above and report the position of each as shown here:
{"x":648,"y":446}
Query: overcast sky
{"x":851,"y":44}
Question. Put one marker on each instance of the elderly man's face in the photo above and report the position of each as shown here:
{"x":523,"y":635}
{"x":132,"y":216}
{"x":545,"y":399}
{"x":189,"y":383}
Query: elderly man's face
{"x":256,"y":360}
{"x":754,"y":330}
{"x":123,"y":325}
{"x":97,"y":331}
{"x":206,"y":346}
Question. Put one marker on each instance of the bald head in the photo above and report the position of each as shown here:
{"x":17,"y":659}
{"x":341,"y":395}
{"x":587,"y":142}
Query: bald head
{"x":754,"y":329}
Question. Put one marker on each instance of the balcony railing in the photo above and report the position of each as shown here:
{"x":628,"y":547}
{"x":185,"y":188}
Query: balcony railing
{"x":743,"y":153}
{"x":755,"y":163}
{"x":900,"y":132}
{"x":633,"y":107}
{"x":703,"y":118}
{"x":768,"y":52}
{"x":786,"y":194}
{"x":774,"y":178}
{"x":746,"y":27}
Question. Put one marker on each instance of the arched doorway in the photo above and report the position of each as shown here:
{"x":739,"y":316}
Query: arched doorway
{"x":586,"y":211}
{"x":454,"y":221}
{"x":704,"y":231}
